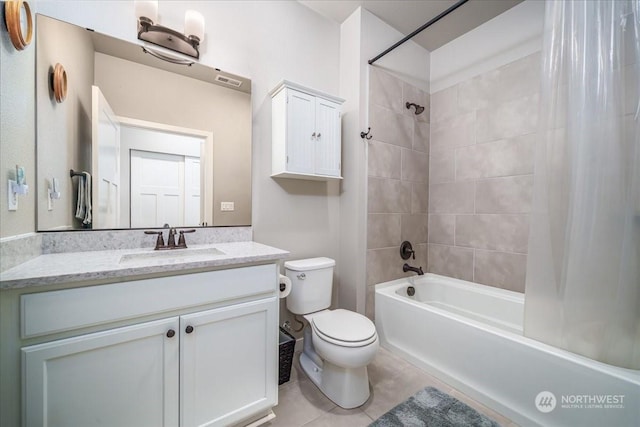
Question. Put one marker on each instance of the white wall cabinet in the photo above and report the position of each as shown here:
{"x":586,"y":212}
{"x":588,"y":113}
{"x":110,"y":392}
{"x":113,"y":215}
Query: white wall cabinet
{"x":306,"y":139}
{"x":206,"y":367}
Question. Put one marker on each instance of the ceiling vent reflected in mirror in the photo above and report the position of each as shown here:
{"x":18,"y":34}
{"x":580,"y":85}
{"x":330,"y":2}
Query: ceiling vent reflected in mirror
{"x":150,"y":31}
{"x":228,"y":80}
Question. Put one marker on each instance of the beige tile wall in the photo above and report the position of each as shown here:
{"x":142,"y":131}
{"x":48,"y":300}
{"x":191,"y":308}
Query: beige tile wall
{"x":398,"y":182}
{"x":481,"y":175}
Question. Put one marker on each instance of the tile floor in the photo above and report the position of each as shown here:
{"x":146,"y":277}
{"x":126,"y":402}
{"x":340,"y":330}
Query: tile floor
{"x":392,"y":381}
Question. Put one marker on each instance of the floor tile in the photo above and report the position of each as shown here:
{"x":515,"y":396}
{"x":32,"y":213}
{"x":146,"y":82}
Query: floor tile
{"x":503,"y":421}
{"x":339,"y":417}
{"x":299,"y":401}
{"x":392,"y":380}
{"x":391,"y":391}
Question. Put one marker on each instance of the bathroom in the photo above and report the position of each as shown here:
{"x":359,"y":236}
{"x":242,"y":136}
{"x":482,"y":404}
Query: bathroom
{"x":456,"y":180}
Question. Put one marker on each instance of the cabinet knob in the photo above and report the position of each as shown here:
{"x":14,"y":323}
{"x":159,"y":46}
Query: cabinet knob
{"x":313,"y":135}
{"x":170,"y":333}
{"x":319,"y":134}
{"x":189,"y":329}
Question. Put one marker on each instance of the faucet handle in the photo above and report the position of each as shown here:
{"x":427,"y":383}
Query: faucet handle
{"x":159,"y":241}
{"x":406,"y":250}
{"x":182,"y":243}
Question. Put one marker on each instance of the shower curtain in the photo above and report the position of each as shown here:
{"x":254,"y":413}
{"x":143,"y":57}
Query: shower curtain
{"x":583,"y":268}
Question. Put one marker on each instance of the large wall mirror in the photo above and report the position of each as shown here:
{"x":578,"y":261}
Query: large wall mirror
{"x":149,"y":142}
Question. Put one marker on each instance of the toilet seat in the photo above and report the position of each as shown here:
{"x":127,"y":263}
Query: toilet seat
{"x":344,"y":328}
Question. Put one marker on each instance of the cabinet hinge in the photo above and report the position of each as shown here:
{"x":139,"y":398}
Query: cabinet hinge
{"x":287,"y":159}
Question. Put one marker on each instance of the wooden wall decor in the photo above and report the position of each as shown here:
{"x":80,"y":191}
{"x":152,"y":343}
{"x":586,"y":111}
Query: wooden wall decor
{"x":17,"y":15}
{"x":59,"y":83}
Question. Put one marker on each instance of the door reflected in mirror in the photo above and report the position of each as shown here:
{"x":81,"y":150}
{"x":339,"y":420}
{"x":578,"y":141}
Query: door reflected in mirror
{"x":166,"y":170}
{"x":173,"y":144}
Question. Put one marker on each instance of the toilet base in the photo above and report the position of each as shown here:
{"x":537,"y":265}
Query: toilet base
{"x":346,"y":387}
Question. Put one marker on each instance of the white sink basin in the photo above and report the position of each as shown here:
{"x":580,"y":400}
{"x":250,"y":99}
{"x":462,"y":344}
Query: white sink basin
{"x":171,"y":256}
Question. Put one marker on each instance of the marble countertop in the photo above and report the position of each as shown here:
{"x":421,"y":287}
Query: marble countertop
{"x":70,"y":267}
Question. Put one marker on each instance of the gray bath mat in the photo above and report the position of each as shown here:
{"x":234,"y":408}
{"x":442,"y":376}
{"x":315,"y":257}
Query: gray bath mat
{"x":433,"y":408}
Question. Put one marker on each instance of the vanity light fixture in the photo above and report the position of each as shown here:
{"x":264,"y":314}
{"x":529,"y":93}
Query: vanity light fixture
{"x":186,"y":44}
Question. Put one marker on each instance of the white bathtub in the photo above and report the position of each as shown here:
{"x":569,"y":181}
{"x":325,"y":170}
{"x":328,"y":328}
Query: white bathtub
{"x":470,"y":336}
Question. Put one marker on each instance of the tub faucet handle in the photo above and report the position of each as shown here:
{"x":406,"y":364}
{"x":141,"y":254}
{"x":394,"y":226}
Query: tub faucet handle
{"x":406,"y":250}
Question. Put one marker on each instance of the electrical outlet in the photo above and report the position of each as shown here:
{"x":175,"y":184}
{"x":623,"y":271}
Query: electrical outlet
{"x":12,"y":197}
{"x":227,"y":206}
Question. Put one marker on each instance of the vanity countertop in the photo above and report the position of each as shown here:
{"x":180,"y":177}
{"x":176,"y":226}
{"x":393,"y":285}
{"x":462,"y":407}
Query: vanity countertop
{"x":70,"y":267}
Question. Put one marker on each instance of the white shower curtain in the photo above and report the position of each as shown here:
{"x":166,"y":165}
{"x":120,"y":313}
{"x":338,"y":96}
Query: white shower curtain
{"x":583,"y":271}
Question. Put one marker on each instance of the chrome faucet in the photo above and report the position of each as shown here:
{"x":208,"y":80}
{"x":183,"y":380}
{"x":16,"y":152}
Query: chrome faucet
{"x":406,"y":267}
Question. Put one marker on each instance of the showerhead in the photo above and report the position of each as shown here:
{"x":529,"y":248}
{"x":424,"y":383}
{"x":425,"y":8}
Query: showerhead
{"x":419,"y":108}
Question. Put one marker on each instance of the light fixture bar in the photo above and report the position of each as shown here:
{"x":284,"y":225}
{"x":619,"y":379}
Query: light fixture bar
{"x":169,"y":39}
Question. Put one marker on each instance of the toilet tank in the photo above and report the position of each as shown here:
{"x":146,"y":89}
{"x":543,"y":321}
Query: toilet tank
{"x":311,"y":284}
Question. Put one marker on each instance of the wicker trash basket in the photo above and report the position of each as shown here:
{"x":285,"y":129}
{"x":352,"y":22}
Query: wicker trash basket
{"x":286,"y":347}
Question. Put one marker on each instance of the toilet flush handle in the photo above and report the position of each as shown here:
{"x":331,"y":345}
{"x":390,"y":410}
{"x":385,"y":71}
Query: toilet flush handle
{"x":302,"y":276}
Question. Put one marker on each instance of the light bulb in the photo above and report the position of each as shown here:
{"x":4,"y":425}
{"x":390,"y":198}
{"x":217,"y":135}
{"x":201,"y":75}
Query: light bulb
{"x":147,"y":9}
{"x":194,"y":24}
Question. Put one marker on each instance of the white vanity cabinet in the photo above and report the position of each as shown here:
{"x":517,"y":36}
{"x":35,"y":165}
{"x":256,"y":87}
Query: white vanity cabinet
{"x":227,"y":370}
{"x":306,"y":133}
{"x":211,"y":359}
{"x":120,"y":377}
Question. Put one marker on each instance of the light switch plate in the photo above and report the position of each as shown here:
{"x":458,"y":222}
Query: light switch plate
{"x":227,"y":206}
{"x":12,"y":198}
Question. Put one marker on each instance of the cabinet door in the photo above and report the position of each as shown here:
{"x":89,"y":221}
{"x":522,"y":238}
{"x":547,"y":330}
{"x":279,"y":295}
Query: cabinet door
{"x":228,"y":363}
{"x":328,"y":138}
{"x":122,"y":377}
{"x":300,"y":132}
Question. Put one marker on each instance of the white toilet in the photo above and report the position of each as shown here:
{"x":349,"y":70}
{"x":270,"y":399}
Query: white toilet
{"x":338,"y":344}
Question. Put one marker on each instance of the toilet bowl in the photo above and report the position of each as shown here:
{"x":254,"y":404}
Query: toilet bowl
{"x":338,"y":367}
{"x":338,"y":344}
{"x":344,"y":338}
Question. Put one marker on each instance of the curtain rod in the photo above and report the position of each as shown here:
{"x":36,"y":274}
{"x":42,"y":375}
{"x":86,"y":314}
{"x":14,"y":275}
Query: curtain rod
{"x":419,"y":30}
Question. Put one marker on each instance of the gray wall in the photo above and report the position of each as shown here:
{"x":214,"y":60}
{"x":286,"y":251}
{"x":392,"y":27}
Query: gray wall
{"x":64,"y":129}
{"x":17,"y":131}
{"x":481,"y":166}
{"x":363,"y":36}
{"x":398,"y":173}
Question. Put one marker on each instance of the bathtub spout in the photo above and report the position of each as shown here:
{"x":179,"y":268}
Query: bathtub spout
{"x":406,"y":267}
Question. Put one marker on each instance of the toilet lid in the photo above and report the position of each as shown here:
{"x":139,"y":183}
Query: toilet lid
{"x":344,"y":325}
